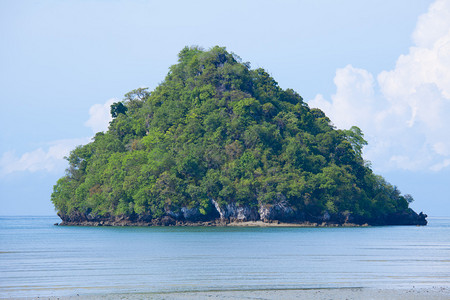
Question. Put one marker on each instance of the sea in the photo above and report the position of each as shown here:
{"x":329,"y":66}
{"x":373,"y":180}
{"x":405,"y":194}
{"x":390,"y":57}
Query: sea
{"x":39,"y":259}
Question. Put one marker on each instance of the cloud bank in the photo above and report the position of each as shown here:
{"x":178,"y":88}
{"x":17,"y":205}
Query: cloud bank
{"x":100,"y":116}
{"x":403,"y":112}
{"x":50,"y":158}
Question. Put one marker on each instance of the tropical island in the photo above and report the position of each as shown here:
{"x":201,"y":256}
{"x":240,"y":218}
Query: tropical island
{"x":216,"y":143}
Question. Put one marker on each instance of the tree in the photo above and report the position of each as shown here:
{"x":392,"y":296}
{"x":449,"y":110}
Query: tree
{"x":356,"y":138}
{"x":409,"y":198}
{"x":137,"y":94}
{"x":118,"y":108}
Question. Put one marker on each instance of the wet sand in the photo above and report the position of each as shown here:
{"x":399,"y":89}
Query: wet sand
{"x":281,"y":224}
{"x":434,"y":293}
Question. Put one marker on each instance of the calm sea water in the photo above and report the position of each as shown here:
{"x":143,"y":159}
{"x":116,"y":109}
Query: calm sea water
{"x":39,"y":259}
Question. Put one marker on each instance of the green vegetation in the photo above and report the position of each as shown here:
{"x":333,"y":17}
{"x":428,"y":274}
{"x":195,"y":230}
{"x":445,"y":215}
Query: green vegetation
{"x":216,"y":129}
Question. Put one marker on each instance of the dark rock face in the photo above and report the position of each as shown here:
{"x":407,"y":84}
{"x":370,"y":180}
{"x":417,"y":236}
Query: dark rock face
{"x":167,"y":221}
{"x":279,"y":211}
{"x":407,"y":218}
{"x":89,"y":219}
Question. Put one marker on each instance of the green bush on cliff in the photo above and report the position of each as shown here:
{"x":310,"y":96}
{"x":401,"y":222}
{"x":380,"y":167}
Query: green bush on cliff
{"x":216,"y":129}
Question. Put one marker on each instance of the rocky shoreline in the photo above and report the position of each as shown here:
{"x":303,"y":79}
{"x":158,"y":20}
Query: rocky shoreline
{"x":279,"y":214}
{"x":216,"y":223}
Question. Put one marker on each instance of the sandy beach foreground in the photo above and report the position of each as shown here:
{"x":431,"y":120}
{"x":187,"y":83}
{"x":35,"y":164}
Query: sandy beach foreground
{"x":314,"y":294}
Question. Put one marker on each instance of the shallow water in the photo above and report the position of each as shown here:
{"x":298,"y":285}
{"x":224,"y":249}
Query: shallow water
{"x":39,"y":259}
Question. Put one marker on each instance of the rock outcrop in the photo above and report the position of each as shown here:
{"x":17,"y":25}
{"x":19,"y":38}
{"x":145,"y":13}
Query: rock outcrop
{"x":233,"y":212}
{"x":279,"y":211}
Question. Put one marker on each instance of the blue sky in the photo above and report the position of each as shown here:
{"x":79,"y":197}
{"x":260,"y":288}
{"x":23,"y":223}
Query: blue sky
{"x":382,"y":65}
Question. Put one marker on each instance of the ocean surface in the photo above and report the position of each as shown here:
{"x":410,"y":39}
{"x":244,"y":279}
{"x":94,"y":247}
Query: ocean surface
{"x":38,"y":259}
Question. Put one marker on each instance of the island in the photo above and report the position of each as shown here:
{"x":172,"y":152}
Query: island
{"x":219,"y":143}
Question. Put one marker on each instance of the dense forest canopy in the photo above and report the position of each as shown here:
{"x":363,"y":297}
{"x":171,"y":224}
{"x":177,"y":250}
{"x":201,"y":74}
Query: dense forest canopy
{"x":216,"y":132}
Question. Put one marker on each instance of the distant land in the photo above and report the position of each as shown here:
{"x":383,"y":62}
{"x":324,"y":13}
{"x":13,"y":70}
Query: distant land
{"x":218,"y":143}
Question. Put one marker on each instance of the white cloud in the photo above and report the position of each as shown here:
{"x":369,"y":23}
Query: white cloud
{"x":355,"y":92}
{"x":432,"y":25}
{"x":100,"y":116}
{"x":50,"y":158}
{"x":404,"y":113}
{"x":439,"y":166}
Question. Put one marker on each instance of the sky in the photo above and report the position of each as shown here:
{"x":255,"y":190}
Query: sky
{"x":381,"y":65}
